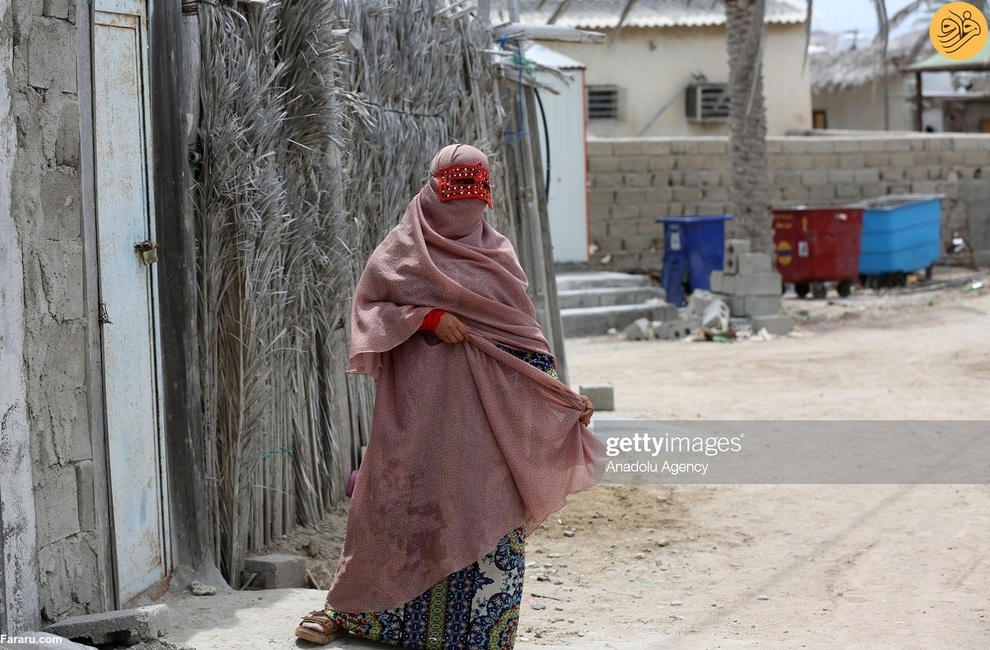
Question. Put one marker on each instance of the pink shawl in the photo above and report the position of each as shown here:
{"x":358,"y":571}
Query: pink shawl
{"x":468,"y":442}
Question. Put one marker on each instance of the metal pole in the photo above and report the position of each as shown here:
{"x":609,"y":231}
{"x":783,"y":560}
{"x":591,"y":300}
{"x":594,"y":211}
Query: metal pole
{"x":918,"y":104}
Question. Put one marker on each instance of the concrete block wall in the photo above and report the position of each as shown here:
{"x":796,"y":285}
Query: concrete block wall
{"x":40,"y":144}
{"x":633,"y":181}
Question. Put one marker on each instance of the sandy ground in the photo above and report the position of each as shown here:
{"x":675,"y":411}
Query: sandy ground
{"x":772,"y":566}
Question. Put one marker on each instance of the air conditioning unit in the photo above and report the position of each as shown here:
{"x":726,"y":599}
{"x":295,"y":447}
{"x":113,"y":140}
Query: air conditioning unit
{"x":707,"y":102}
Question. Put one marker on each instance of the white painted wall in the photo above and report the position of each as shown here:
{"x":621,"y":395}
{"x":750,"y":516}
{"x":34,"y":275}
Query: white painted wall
{"x":653,"y":66}
{"x":19,"y":600}
{"x":567,"y":202}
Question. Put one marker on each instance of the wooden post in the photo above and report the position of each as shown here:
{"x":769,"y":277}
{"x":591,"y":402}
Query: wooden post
{"x":918,"y":101}
{"x":181,"y":395}
{"x":553,"y":326}
{"x":532,"y":225}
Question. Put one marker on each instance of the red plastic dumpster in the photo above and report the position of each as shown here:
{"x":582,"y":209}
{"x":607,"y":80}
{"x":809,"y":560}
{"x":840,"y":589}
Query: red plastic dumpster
{"x":818,"y":245}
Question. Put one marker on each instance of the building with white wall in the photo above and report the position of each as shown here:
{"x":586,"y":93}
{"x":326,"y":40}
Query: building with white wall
{"x":667,"y":49}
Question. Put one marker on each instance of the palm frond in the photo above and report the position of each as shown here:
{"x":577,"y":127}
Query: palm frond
{"x":622,"y":20}
{"x":311,"y":152}
{"x":560,"y":11}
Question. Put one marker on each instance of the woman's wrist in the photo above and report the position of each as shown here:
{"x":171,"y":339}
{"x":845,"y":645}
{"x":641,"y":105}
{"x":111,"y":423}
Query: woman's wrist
{"x":431,"y":320}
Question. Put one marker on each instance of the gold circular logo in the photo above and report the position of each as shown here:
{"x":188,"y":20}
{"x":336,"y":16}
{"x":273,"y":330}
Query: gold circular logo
{"x":784,"y":253}
{"x":958,"y":31}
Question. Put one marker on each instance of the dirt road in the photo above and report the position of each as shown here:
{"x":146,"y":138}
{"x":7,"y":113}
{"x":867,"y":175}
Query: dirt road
{"x":771,"y":566}
{"x":779,"y":566}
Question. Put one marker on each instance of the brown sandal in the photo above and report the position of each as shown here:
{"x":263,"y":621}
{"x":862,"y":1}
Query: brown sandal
{"x":331,"y":630}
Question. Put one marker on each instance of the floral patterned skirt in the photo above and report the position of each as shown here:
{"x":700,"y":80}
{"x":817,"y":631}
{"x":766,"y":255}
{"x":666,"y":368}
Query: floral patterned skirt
{"x":476,"y":608}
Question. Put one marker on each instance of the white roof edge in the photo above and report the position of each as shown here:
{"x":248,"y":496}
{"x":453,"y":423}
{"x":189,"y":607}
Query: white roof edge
{"x":543,"y":55}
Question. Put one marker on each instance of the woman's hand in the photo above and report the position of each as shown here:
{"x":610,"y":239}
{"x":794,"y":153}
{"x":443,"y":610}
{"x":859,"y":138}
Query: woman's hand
{"x":450,"y":329}
{"x":589,"y":410}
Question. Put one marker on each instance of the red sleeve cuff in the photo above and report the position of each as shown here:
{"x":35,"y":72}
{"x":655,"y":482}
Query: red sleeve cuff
{"x":431,"y":320}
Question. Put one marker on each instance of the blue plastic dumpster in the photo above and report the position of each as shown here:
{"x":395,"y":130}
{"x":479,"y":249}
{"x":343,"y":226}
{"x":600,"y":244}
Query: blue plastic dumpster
{"x":901,"y":234}
{"x":693,"y":247}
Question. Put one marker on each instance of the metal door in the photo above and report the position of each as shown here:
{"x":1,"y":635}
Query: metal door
{"x":567,"y":204}
{"x":125,"y":218}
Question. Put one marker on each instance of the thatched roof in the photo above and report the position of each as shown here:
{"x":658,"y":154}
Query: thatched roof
{"x":837,"y":69}
{"x":849,"y":69}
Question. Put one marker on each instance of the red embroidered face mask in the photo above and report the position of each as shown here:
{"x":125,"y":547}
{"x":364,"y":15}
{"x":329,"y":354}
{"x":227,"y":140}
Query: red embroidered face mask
{"x":465,"y":182}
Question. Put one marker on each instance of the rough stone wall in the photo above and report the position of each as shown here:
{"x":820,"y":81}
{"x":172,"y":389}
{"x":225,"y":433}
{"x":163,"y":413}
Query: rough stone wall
{"x":18,"y":588}
{"x":45,"y":192}
{"x":634,"y":181}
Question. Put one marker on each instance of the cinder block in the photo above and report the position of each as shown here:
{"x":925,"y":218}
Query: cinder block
{"x":56,"y":9}
{"x":734,"y":246}
{"x":603,"y":164}
{"x":663,"y":311}
{"x":841,"y":176}
{"x":622,"y":148}
{"x":814,"y":177}
{"x":761,"y":305}
{"x":755,"y":263}
{"x":639,"y":330}
{"x":777,"y":324}
{"x":599,"y":148}
{"x":637,"y":164}
{"x":57,"y":506}
{"x":698,"y":302}
{"x":67,"y":137}
{"x":276,"y":571}
{"x":722,"y":282}
{"x":733,"y":249}
{"x":687,"y":194}
{"x":601,"y":395}
{"x":662,"y":330}
{"x":716,"y":315}
{"x":638,"y":179}
{"x":117,"y":627}
{"x":86,"y":495}
{"x":737,"y":305}
{"x":758,"y":284}
{"x":51,"y":56}
{"x":852,"y":161}
{"x":673,"y":330}
{"x":680,"y":330}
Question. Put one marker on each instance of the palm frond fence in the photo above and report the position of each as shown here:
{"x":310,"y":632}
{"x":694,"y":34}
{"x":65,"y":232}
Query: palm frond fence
{"x":318,"y":122}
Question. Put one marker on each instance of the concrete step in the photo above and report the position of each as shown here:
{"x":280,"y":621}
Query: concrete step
{"x":608,"y":296}
{"x":595,"y":321}
{"x":599,"y":280}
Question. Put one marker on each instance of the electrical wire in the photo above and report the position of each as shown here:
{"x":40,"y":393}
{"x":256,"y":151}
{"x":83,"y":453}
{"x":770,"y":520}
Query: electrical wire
{"x":546,"y":137}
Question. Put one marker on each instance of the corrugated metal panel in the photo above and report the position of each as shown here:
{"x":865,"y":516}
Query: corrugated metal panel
{"x":542,"y":55}
{"x":604,"y":14}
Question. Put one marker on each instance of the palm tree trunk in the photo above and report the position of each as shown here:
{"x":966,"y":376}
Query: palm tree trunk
{"x":750,"y":191}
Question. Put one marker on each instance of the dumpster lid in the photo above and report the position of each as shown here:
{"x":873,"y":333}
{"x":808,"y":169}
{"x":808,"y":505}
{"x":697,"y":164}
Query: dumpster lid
{"x":893,"y":201}
{"x":694,"y":218}
{"x":816,"y":207}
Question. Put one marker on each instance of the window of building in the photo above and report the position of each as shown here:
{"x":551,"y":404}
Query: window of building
{"x":603,"y":102}
{"x":819,"y":120}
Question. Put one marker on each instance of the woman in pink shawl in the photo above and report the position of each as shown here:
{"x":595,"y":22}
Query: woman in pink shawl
{"x":474,"y":441}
